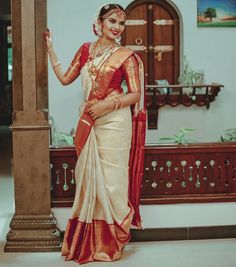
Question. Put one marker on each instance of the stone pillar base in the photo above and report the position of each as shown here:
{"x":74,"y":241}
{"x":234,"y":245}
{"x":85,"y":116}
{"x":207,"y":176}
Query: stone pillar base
{"x":33,"y":233}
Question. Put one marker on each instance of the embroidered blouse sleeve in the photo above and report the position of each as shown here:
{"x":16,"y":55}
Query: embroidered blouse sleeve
{"x":75,"y":67}
{"x":130,"y":70}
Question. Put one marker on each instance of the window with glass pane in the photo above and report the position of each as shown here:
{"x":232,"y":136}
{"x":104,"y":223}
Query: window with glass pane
{"x":9,"y":35}
{"x":9,"y":53}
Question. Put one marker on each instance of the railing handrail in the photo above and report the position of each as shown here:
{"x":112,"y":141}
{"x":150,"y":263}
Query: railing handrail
{"x":183,"y":85}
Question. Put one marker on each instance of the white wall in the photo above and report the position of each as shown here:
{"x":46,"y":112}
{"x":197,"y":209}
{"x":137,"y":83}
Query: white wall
{"x":210,"y":49}
{"x":171,"y":216}
{"x":214,"y":51}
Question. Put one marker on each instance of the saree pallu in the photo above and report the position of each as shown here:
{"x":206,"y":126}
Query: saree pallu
{"x":101,"y":214}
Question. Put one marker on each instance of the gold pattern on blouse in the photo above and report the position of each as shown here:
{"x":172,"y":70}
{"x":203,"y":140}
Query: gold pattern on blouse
{"x":74,"y":69}
{"x":130,"y":70}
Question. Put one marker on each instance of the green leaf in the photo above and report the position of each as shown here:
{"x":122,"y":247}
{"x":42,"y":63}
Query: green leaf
{"x":231,"y":130}
{"x":166,"y":138}
{"x":187,"y":130}
{"x":67,"y":138}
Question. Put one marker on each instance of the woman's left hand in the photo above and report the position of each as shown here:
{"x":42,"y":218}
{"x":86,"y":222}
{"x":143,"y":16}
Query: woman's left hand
{"x":97,"y":110}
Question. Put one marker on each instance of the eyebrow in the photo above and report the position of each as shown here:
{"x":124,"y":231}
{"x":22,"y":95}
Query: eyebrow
{"x":122,"y":21}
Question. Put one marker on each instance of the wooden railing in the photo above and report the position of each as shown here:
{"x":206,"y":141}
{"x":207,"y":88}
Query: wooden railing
{"x":203,"y":172}
{"x":174,"y":95}
{"x":62,"y":164}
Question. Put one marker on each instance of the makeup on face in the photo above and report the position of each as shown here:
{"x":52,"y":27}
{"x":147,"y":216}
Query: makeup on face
{"x":113,"y":26}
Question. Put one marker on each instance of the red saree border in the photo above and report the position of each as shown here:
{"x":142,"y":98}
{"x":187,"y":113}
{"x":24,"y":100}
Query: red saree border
{"x":95,"y":241}
{"x":136,"y":160}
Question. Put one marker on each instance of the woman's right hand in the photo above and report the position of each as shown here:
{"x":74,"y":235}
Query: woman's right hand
{"x":98,"y":109}
{"x":48,"y":38}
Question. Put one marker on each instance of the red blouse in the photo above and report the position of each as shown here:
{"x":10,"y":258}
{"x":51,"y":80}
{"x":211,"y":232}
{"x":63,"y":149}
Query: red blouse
{"x":128,"y":71}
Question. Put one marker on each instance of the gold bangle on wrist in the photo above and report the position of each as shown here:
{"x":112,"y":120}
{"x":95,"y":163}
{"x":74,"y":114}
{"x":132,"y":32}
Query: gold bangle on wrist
{"x":114,"y":101}
{"x":117,"y":103}
{"x":56,"y":64}
{"x":120,"y":103}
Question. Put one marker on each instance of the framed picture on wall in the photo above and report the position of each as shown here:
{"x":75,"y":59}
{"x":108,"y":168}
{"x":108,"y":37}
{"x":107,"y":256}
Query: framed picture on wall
{"x":216,"y":13}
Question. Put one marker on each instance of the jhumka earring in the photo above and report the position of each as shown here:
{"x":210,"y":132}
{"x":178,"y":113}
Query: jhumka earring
{"x":118,"y":40}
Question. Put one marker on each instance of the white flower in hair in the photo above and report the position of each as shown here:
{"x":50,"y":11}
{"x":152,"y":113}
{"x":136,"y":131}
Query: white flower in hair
{"x":96,"y":27}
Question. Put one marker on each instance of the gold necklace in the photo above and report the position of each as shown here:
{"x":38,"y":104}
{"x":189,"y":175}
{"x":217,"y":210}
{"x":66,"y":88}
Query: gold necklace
{"x":93,"y":69}
{"x":102,"y":50}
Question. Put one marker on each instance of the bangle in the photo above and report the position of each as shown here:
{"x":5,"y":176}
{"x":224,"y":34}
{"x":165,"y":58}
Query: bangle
{"x":120,"y":103}
{"x":56,"y":64}
{"x":114,"y":104}
{"x":117,"y":103}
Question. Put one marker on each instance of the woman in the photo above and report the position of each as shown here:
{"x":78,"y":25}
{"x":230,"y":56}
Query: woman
{"x":102,"y":213}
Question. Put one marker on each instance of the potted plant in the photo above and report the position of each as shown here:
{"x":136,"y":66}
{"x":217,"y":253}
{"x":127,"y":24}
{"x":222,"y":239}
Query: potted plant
{"x":180,"y":137}
{"x":229,"y":135}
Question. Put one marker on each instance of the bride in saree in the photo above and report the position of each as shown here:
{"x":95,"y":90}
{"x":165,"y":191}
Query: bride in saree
{"x":109,"y":142}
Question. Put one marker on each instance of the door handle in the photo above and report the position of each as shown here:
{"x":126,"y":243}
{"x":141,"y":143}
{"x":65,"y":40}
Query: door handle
{"x":158,"y":56}
{"x":160,"y":49}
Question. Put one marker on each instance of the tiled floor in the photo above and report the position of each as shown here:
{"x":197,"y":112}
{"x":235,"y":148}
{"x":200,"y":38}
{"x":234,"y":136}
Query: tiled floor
{"x":204,"y":253}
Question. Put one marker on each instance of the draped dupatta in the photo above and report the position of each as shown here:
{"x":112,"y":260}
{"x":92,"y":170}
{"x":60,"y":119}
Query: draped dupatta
{"x":103,"y":81}
{"x":136,"y":160}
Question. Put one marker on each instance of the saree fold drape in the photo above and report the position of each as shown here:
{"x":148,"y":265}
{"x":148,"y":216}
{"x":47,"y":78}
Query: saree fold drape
{"x":103,"y":81}
{"x":101,"y":216}
{"x":136,"y":160}
{"x":136,"y":163}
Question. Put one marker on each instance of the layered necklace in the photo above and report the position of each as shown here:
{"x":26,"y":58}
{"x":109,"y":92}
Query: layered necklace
{"x":100,"y":66}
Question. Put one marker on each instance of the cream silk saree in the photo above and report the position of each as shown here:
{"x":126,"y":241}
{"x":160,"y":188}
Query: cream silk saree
{"x":101,"y":216}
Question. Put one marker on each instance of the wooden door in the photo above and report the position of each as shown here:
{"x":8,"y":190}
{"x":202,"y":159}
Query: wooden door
{"x":152,"y":30}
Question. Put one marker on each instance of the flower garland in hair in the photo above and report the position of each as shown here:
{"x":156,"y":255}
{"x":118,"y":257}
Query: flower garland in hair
{"x":96,"y":27}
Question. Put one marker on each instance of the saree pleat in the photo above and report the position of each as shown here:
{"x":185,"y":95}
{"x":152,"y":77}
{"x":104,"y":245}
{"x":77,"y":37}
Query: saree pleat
{"x":101,"y":214}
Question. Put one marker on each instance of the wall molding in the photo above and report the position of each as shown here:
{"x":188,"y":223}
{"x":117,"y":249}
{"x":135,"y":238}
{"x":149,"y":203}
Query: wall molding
{"x":181,"y":233}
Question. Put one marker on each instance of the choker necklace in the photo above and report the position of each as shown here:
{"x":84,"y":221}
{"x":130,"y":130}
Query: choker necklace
{"x":101,"y":49}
